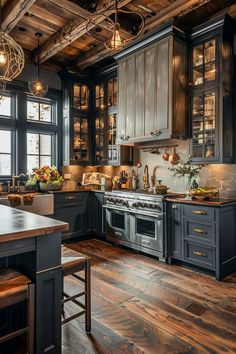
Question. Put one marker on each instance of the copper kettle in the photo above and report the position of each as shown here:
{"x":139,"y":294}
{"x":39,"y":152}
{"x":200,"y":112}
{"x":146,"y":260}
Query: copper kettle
{"x":174,"y":158}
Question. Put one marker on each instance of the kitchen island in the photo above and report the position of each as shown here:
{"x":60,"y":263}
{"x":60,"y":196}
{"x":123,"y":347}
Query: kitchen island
{"x":32,"y":244}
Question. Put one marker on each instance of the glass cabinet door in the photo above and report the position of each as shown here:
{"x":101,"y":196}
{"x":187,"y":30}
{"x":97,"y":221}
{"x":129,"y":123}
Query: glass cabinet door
{"x":204,"y":63}
{"x":81,"y":141}
{"x":112,"y":88}
{"x":100,"y":143}
{"x":203,"y":124}
{"x":99,"y":96}
{"x":111,"y":136}
{"x":81,"y":97}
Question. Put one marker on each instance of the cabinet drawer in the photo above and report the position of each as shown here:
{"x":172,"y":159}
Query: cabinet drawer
{"x":199,"y":254}
{"x":199,"y":211}
{"x":201,"y":232}
{"x":69,"y":198}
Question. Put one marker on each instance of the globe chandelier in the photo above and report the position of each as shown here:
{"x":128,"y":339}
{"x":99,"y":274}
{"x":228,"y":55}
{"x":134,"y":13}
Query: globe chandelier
{"x":115,"y":42}
{"x":37,"y":87}
{"x":12,"y":59}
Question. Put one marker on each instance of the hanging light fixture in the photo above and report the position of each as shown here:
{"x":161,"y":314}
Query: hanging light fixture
{"x":37,"y":87}
{"x":12,"y":58}
{"x":115,"y":41}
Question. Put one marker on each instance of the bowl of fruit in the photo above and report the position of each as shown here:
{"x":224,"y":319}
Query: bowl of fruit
{"x":202,"y":193}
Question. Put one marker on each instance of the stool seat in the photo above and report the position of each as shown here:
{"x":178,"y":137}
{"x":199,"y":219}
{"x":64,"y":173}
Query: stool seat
{"x":72,"y":263}
{"x":14,"y":287}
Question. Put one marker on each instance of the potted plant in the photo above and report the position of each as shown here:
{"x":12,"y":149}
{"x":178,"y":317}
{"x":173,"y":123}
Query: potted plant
{"x":189,"y":172}
{"x":48,"y":178}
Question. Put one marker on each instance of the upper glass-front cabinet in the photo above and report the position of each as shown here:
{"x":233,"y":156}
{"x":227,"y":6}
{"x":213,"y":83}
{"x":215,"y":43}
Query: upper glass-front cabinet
{"x":81,"y":97}
{"x":212,"y":71}
{"x":204,"y":63}
{"x":80,"y":123}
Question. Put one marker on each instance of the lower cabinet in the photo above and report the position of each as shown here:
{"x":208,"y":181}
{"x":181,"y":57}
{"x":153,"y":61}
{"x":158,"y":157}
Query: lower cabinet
{"x":73,"y":209}
{"x":97,"y":213}
{"x":203,"y":236}
{"x":83,"y":211}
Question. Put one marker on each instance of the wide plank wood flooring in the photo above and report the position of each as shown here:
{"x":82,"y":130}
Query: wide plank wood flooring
{"x":140,"y":305}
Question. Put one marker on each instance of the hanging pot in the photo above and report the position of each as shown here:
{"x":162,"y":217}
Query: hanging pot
{"x":174,"y":158}
{"x":166,"y":155}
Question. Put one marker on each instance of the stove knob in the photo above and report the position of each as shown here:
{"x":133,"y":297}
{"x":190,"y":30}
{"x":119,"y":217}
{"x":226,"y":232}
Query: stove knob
{"x":125,"y":204}
{"x":142,"y":205}
{"x":151,"y":206}
{"x":135,"y":205}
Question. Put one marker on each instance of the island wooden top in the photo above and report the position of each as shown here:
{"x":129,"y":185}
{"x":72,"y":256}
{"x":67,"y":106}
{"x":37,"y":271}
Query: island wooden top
{"x":17,"y":224}
{"x":216,"y":202}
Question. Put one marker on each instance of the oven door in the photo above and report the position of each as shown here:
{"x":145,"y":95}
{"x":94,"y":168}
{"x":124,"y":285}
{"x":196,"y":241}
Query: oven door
{"x":147,"y":231}
{"x":117,"y":221}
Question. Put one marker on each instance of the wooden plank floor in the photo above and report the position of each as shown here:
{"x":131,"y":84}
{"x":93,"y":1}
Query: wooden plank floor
{"x":140,"y":305}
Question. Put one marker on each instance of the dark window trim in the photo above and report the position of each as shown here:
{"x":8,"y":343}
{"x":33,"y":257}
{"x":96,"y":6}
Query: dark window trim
{"x":18,"y":120}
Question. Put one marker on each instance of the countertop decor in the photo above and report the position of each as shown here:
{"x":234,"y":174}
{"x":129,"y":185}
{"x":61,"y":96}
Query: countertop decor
{"x":48,"y":178}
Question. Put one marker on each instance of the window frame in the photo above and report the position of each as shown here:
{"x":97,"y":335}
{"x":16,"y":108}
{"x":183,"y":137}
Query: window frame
{"x":19,"y":125}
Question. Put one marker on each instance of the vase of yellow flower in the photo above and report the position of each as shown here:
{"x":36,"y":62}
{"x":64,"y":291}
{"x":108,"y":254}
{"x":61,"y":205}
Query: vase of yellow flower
{"x":48,"y":178}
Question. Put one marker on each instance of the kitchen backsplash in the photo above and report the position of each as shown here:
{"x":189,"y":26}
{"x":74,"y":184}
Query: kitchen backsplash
{"x":222,"y":176}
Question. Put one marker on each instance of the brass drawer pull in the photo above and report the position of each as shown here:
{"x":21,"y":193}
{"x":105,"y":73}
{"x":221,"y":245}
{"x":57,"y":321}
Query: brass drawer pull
{"x":174,"y":206}
{"x":199,"y":231}
{"x":199,"y":212}
{"x":199,"y":254}
{"x":70,"y":198}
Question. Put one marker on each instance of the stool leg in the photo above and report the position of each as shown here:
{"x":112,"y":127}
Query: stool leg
{"x":88,"y":298}
{"x":31,"y":319}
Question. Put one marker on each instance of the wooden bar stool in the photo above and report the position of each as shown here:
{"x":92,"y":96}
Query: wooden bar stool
{"x":72,"y":263}
{"x":14,"y":289}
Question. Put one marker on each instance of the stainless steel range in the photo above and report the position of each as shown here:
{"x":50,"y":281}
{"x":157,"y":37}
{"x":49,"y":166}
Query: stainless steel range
{"x":137,"y":220}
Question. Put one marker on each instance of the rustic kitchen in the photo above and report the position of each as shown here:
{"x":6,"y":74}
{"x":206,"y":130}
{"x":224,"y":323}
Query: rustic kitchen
{"x":117,"y":176}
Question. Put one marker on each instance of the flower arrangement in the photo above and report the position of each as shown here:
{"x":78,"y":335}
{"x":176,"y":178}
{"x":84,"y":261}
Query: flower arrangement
{"x":189,"y":172}
{"x":185,"y":169}
{"x":48,"y":177}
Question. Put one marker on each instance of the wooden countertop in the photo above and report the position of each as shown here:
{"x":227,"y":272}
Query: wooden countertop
{"x":17,"y":224}
{"x":209,"y":202}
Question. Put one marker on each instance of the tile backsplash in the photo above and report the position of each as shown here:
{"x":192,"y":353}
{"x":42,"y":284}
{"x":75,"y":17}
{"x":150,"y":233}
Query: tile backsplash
{"x":222,"y":176}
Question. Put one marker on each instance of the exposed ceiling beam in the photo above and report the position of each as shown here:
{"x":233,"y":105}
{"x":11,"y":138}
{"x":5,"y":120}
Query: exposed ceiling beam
{"x":13,"y":11}
{"x":85,"y":14}
{"x":72,"y":31}
{"x":176,"y":9}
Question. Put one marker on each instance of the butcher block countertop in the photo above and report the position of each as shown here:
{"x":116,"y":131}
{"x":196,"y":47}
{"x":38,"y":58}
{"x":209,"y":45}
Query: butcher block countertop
{"x":215,"y":202}
{"x":17,"y":224}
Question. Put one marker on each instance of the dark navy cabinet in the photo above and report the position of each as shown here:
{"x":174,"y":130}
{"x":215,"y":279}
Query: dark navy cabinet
{"x":73,"y":209}
{"x":212,"y":71}
{"x":83,"y":211}
{"x":203,"y":236}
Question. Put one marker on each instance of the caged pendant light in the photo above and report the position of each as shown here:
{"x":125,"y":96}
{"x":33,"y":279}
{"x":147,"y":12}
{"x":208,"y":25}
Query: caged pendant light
{"x":37,"y":87}
{"x":12,"y":58}
{"x":110,"y":17}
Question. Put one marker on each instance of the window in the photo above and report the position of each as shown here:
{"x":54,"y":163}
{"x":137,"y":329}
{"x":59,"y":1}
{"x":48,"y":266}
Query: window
{"x":41,"y":112}
{"x":28,"y":132}
{"x":39,"y":150}
{"x":5,"y":106}
{"x":5,"y":152}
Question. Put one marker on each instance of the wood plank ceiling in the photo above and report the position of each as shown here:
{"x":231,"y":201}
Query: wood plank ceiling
{"x":62,"y":23}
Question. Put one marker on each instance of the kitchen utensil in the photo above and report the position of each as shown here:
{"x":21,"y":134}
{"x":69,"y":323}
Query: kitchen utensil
{"x":161,"y":188}
{"x":174,"y":157}
{"x":166,"y":155}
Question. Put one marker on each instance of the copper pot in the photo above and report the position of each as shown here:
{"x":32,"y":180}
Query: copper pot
{"x":166,"y":155}
{"x":174,"y":157}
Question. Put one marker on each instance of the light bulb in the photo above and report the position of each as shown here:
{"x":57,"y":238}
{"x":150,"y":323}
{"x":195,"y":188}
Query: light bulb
{"x":38,"y":86}
{"x":3,"y":58}
{"x":116,"y":41}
